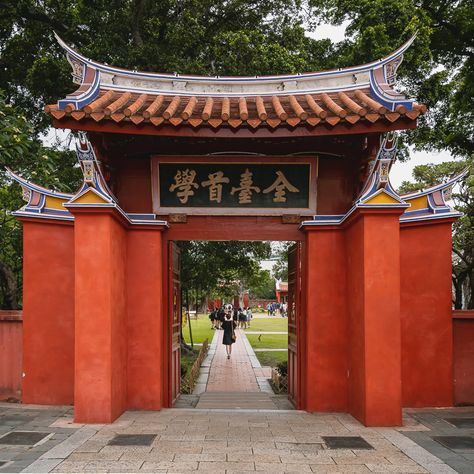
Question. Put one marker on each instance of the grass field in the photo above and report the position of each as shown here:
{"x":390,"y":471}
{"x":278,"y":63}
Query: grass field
{"x":201,"y":329}
{"x":271,"y":359}
{"x":268,"y":341}
{"x":269,"y":324}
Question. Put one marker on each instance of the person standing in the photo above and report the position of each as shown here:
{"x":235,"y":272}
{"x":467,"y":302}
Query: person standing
{"x":249,"y":316}
{"x":229,"y":337}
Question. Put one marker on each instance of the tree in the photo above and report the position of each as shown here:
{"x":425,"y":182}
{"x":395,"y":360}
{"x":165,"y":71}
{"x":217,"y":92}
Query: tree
{"x":24,"y":153}
{"x":212,"y":269}
{"x":438,"y":69}
{"x":262,"y":285}
{"x":463,"y":228}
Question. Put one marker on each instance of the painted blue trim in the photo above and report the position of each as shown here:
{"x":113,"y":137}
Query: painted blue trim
{"x":48,"y":210}
{"x":141,"y":216}
{"x":86,"y":98}
{"x":42,"y":216}
{"x":385,"y":100}
{"x":431,"y":217}
{"x":417,"y":212}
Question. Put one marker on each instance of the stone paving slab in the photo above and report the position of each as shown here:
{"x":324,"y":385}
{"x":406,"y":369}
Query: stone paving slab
{"x":233,"y":441}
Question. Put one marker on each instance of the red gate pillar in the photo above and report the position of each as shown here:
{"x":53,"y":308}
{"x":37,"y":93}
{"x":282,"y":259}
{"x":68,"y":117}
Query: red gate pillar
{"x":373,"y":291}
{"x":325,"y":325}
{"x":100,"y":387}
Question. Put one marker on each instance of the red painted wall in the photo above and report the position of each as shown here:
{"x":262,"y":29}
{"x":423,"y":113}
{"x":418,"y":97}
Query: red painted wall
{"x":326,"y":321}
{"x":427,"y":364}
{"x":340,"y":174}
{"x":11,"y":350}
{"x":355,"y":311}
{"x":48,"y":313}
{"x":132,"y":184}
{"x":463,"y":338}
{"x":144,"y":319}
{"x":101,"y":329}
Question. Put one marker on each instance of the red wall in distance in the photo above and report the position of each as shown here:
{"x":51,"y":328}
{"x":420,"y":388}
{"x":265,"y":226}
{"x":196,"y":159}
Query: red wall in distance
{"x":463,"y":338}
{"x":11,"y":350}
{"x":326,"y":321}
{"x":48,"y":313}
{"x":144,"y":319}
{"x":427,"y":364}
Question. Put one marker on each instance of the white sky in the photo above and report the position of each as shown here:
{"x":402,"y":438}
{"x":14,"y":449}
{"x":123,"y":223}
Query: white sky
{"x":400,"y":171}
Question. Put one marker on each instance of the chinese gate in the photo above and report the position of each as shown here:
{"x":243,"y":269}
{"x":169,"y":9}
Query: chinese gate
{"x":302,"y":158}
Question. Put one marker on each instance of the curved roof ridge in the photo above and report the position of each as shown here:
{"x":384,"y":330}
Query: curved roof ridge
{"x":234,"y":79}
{"x":437,"y":187}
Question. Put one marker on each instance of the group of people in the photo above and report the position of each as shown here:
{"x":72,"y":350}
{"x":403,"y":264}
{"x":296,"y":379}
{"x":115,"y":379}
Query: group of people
{"x":241,"y":316}
{"x":277,"y":309}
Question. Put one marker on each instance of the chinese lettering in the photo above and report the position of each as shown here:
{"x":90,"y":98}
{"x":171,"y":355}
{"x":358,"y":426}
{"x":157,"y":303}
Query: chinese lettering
{"x":215,"y":185}
{"x":234,"y":185}
{"x":246,"y":188}
{"x":279,"y":186}
{"x":184,"y":182}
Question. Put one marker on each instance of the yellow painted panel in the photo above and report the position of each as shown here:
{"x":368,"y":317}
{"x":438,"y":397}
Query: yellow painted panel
{"x":89,"y":197}
{"x":418,"y":203}
{"x":55,"y":203}
{"x":382,"y":198}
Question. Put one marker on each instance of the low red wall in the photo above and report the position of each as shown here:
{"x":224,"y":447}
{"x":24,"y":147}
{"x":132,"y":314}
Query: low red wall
{"x":463,"y":341}
{"x":11,"y":350}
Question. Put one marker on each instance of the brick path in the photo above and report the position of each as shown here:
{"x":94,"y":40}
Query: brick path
{"x":235,"y":374}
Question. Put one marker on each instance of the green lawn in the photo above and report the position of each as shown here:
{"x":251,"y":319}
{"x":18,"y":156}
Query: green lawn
{"x":271,"y":359}
{"x":268,"y":341}
{"x":269,"y":324}
{"x":201,"y":329}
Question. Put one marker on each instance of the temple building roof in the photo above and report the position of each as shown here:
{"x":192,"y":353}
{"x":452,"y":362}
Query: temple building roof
{"x":360,"y":94}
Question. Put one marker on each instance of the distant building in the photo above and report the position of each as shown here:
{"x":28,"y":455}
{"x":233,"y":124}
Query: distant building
{"x":281,"y":290}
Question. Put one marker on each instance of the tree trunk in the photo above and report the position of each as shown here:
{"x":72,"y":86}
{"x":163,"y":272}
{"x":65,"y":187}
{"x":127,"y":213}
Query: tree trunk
{"x":11,"y":286}
{"x":471,"y":289}
{"x":458,"y":284}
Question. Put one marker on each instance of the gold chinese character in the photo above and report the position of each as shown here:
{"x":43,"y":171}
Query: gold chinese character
{"x":246,"y":188}
{"x":279,"y":186}
{"x":184,"y":181}
{"x":215,"y":185}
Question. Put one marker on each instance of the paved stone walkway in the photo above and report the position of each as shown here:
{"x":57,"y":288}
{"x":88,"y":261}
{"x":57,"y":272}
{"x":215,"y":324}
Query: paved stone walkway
{"x":235,"y":374}
{"x":233,"y":441}
{"x":265,"y":332}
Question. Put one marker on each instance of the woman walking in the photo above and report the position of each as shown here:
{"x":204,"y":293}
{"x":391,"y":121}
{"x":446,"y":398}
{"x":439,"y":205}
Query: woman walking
{"x":229,"y":333}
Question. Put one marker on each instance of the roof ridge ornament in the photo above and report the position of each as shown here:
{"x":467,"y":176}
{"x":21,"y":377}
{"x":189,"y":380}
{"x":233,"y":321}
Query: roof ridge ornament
{"x":378,"y":179}
{"x":93,"y":178}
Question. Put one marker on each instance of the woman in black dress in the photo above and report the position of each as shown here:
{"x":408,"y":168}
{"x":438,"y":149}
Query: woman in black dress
{"x":229,"y":331}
